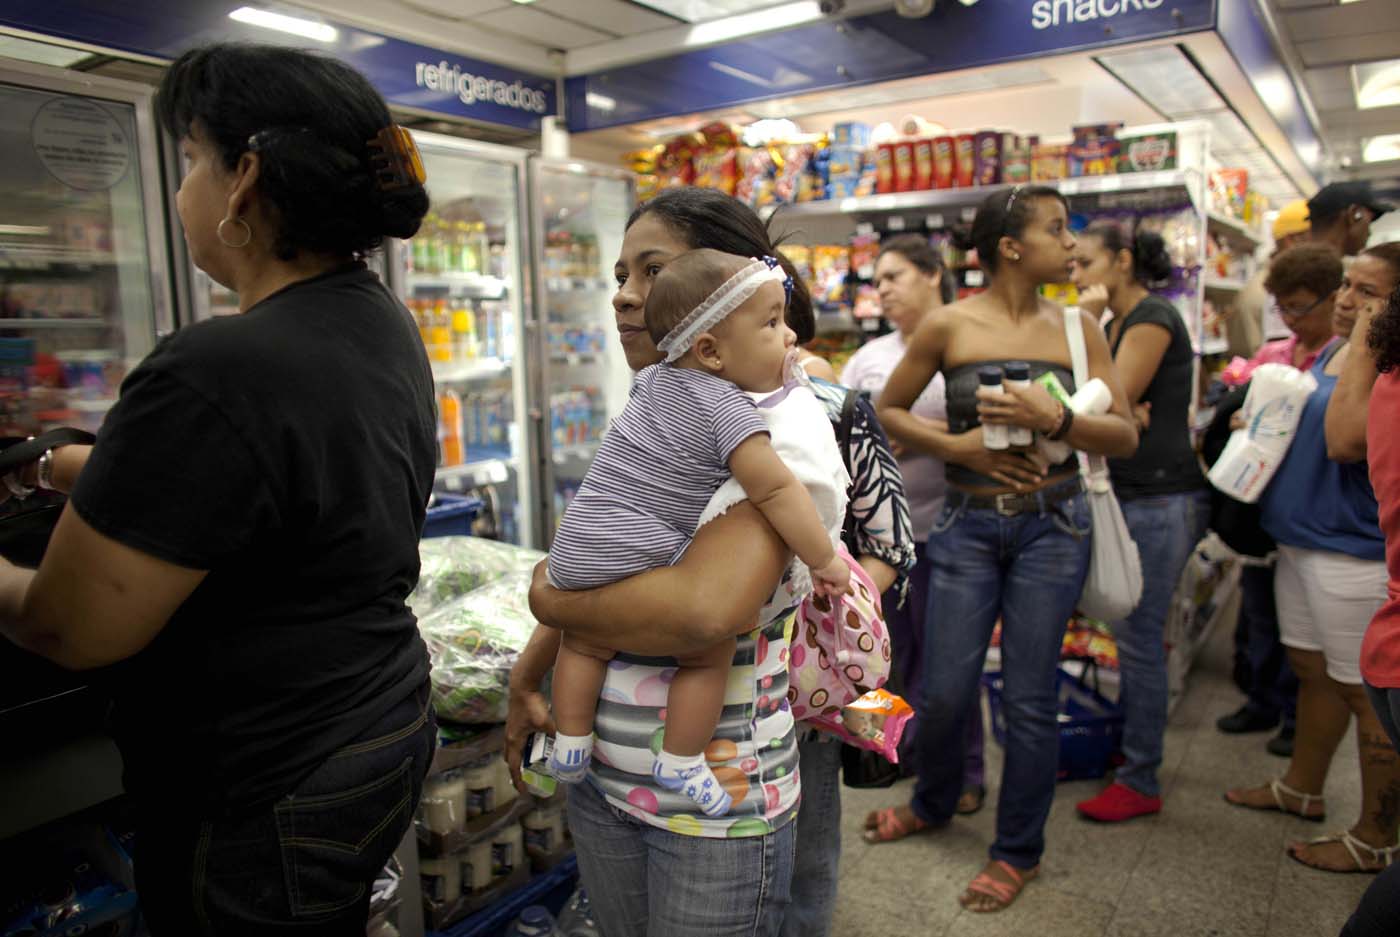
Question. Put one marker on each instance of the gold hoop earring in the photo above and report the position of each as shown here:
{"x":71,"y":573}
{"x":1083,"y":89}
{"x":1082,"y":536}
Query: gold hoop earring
{"x":247,"y":233}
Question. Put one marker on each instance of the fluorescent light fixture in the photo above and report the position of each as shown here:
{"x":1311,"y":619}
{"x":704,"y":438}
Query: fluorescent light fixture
{"x":1381,"y":149}
{"x":740,"y":74}
{"x":25,"y":230}
{"x":524,"y":2}
{"x":600,"y":102}
{"x":1376,"y":84}
{"x":309,"y":29}
{"x":698,"y":11}
{"x":43,"y":53}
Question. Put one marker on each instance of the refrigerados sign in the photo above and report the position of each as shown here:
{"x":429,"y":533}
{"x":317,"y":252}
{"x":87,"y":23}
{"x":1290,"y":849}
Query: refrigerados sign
{"x":1047,"y":14}
{"x":470,"y":88}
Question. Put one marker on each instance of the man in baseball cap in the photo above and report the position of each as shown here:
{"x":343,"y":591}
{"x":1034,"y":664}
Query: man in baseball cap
{"x":1341,"y":213}
{"x":1291,"y":226}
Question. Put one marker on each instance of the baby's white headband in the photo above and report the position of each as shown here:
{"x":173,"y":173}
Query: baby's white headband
{"x":730,"y":295}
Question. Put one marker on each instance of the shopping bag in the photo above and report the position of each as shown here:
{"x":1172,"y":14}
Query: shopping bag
{"x":1114,"y":584}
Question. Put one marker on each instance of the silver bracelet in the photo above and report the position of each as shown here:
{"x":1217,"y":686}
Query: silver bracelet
{"x":18,"y":489}
{"x":44,"y":478}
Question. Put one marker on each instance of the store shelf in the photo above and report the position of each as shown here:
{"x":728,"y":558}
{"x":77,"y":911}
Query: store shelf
{"x":472,"y":285}
{"x":938,"y":201}
{"x":479,"y":472}
{"x":1225,"y":284}
{"x":579,"y":450}
{"x":27,"y":256}
{"x":577,"y":284}
{"x":574,"y":359}
{"x":477,"y":370}
{"x":1232,"y":228}
{"x":28,"y":324}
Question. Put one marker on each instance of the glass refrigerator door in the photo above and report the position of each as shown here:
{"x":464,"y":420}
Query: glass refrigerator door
{"x":580,"y":212}
{"x":82,"y":252}
{"x":461,"y":278}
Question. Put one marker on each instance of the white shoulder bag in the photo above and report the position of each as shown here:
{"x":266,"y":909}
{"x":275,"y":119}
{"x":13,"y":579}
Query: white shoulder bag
{"x":1114,"y":586}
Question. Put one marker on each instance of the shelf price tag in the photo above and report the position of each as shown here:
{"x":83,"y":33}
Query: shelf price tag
{"x":895,"y":223}
{"x":870,"y":325}
{"x":933,"y":221}
{"x":969,"y":213}
{"x":865,"y":229}
{"x":1111,"y":183}
{"x":975,"y":278}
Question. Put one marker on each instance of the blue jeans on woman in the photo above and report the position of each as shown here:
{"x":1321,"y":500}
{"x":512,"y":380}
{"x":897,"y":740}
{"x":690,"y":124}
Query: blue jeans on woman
{"x":816,"y":868}
{"x":1166,"y":529}
{"x":1028,"y":570}
{"x":644,"y":881}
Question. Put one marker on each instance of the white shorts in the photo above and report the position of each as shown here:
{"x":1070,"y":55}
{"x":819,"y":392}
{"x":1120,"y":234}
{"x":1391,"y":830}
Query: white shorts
{"x":1325,"y":601}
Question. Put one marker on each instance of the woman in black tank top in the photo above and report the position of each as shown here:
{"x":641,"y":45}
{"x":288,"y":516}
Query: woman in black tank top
{"x":1012,"y":542}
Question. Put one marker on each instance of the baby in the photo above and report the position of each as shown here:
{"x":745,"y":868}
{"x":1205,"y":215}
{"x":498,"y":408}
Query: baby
{"x":691,"y":423}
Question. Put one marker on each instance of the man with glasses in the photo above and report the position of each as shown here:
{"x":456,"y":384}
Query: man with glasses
{"x":1340,"y":215}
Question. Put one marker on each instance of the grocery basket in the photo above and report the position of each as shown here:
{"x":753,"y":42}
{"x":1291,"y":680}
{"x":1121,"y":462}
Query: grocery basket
{"x":451,"y":515}
{"x":1091,"y":725}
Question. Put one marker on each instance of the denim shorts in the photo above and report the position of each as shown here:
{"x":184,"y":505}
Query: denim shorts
{"x":303,"y":865}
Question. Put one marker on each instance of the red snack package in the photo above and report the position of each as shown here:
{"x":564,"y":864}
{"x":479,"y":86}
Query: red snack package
{"x":884,"y":168}
{"x":904,"y":166}
{"x":944,"y":162}
{"x":923,"y":163}
{"x":965,"y":161}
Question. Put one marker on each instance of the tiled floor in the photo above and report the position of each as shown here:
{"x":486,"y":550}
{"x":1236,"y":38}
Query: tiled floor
{"x":1201,"y":868}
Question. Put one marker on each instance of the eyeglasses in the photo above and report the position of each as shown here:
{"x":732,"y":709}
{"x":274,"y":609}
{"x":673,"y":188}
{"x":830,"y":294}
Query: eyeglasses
{"x":1288,"y":313}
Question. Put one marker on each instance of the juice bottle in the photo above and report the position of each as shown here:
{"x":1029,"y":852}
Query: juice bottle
{"x":464,"y":347}
{"x":450,"y":421}
{"x":422,"y":314}
{"x":421,"y":248}
{"x":440,"y":349}
{"x":440,"y":246}
{"x":465,"y":258}
{"x":490,"y":315}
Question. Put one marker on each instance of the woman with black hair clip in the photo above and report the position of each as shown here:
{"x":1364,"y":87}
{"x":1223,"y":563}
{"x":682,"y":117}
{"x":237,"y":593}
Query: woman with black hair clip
{"x":1161,"y":488}
{"x":1012,"y":540}
{"x":242,"y":537}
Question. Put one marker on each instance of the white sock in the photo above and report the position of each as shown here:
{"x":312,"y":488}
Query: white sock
{"x":689,"y":774}
{"x":572,"y":753}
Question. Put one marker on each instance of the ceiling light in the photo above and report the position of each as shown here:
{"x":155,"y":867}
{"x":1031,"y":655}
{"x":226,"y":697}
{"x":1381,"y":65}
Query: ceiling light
{"x":524,"y":2}
{"x":309,"y":29}
{"x":1376,"y":84}
{"x":1381,"y":149}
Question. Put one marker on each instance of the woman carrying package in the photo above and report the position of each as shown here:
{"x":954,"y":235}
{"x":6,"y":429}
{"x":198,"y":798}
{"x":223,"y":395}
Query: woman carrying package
{"x":1012,"y":540}
{"x":685,"y":873}
{"x":242,"y":537}
{"x":914,"y":284}
{"x":1162,"y":491}
{"x":1330,"y":581}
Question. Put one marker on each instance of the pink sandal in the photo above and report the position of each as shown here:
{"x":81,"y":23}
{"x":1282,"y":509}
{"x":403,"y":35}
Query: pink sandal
{"x":888,"y":827}
{"x":1002,"y":892}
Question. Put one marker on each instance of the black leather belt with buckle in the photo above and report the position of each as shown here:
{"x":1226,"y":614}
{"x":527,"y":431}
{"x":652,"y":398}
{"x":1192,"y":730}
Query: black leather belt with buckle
{"x":1012,"y":503}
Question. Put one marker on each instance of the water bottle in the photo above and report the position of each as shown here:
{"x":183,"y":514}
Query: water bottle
{"x":576,"y":920}
{"x":534,"y":921}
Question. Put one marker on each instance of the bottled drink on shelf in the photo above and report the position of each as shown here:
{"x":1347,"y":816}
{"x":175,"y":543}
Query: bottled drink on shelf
{"x":464,"y":338}
{"x":440,"y":246}
{"x":441,"y":333}
{"x":479,"y":247}
{"x":453,"y":447}
{"x":423,"y":254}
{"x":488,"y":331}
{"x":465,"y":257}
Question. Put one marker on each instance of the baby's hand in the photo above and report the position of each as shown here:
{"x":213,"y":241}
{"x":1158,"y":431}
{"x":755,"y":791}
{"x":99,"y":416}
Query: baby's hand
{"x":833,"y":579}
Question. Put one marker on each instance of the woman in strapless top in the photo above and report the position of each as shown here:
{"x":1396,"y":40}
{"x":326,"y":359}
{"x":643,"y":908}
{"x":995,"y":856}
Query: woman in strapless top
{"x":1012,"y":541}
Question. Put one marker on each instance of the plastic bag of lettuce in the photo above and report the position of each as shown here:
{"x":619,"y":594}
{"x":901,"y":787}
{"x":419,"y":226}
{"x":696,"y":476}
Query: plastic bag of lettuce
{"x":473,"y":641}
{"x":454,"y":566}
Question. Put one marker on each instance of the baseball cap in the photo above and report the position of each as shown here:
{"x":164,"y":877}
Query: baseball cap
{"x":1292,"y":219}
{"x":1331,"y":200}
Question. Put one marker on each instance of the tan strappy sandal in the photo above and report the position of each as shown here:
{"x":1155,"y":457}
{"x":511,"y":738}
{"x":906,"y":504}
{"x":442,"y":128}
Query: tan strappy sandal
{"x":1279,"y":790}
{"x":1381,"y":857}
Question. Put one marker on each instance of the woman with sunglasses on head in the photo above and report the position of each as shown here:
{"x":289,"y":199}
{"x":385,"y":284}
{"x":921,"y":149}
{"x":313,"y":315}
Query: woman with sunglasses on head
{"x":242,"y":537}
{"x":1161,"y":489}
{"x":1012,"y":540}
{"x":679,"y":872}
{"x":1329,"y":583}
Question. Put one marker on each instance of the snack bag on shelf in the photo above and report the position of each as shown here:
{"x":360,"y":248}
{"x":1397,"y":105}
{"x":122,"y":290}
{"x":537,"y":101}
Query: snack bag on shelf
{"x":831,"y":264}
{"x":865,"y":248}
{"x":844,"y":167}
{"x":755,"y":167}
{"x":791,"y":162}
{"x":1016,"y":158}
{"x":1228,"y":191}
{"x":1094,"y":151}
{"x":884,"y":169}
{"x":851,"y":133}
{"x":717,"y":169}
{"x":944,"y":162}
{"x":867,"y":302}
{"x":904,"y":166}
{"x":674,"y":166}
{"x":923,"y":163}
{"x":965,"y":160}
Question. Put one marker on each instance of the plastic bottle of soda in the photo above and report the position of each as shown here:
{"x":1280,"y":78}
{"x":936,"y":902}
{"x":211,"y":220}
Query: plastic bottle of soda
{"x":464,"y":342}
{"x":450,"y":419}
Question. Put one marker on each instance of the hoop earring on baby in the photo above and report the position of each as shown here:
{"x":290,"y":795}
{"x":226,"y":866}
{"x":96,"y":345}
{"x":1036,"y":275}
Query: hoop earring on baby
{"x":247,"y":232}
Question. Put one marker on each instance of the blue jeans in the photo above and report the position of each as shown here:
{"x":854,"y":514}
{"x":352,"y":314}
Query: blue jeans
{"x":649,"y":882}
{"x":815,"y":872}
{"x":1166,"y":529}
{"x":1028,"y":569}
{"x":303,"y":865}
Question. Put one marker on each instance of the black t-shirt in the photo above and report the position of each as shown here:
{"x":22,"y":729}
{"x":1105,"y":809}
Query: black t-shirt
{"x":1164,"y":462}
{"x":289,"y":451}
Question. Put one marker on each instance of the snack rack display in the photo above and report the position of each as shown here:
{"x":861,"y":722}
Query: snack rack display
{"x":579,"y":212}
{"x":462,"y":278}
{"x":82,"y":254}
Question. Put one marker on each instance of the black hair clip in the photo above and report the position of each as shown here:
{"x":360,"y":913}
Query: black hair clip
{"x":395,"y":159}
{"x":774,"y":264}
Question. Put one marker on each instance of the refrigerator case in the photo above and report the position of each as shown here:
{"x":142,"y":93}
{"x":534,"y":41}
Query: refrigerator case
{"x":463,"y":279}
{"x":580,"y":210}
{"x":83,"y":274}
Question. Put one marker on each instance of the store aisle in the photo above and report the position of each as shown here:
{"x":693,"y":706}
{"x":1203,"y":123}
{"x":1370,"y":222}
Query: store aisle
{"x":1201,"y":868}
